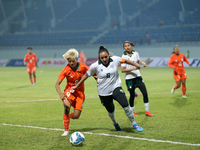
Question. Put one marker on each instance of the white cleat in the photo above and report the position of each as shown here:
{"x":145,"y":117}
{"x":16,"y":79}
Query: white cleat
{"x":172,"y":91}
{"x":65,"y":133}
{"x":183,"y":96}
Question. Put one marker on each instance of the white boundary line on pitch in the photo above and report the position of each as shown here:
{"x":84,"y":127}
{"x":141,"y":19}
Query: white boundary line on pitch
{"x":104,"y":134}
{"x":17,"y":101}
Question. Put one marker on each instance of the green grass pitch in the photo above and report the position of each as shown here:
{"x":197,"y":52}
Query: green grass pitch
{"x":31,"y":116}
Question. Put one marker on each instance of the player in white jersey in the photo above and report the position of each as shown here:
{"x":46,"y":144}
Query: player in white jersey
{"x":109,"y":85}
{"x":133,"y":77}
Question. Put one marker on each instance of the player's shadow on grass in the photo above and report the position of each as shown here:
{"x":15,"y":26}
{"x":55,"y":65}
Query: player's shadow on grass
{"x":180,"y":102}
{"x":19,"y":87}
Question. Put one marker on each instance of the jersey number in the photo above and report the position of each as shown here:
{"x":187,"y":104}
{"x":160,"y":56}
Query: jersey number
{"x":108,"y":75}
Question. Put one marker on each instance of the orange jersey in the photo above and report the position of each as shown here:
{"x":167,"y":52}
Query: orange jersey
{"x":30,"y":59}
{"x":73,"y":76}
{"x":177,"y":61}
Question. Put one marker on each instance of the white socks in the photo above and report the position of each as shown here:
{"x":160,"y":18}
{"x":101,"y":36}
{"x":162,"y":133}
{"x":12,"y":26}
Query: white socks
{"x":146,"y":106}
{"x":112,"y":117}
{"x":129,"y":113}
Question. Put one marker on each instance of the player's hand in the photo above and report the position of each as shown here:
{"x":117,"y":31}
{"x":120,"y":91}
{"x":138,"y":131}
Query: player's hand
{"x":138,"y":66}
{"x":62,"y":96}
{"x":25,"y":63}
{"x":144,"y":64}
{"x":73,"y":87}
{"x":174,"y":68}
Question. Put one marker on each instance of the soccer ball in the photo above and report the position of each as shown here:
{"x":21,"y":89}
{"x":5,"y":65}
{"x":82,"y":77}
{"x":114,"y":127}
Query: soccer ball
{"x":77,"y":138}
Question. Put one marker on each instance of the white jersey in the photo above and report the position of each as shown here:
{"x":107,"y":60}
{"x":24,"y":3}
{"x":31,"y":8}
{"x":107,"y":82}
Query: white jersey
{"x":108,"y":77}
{"x":135,"y":58}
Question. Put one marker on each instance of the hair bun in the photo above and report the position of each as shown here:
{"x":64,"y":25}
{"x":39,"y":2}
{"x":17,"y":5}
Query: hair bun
{"x":102,"y":47}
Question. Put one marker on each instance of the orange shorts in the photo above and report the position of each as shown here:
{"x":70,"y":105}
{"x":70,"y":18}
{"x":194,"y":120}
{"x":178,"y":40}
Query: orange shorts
{"x":180,"y":77}
{"x":76,"y":99}
{"x":31,"y":69}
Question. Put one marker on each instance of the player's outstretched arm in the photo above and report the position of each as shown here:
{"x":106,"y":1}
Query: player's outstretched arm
{"x":83,"y":78}
{"x":132,"y":63}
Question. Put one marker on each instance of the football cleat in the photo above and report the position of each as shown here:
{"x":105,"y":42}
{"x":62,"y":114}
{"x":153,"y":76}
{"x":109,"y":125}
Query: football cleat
{"x":136,"y":95}
{"x":172,"y":91}
{"x":117,"y":127}
{"x":134,"y":114}
{"x":183,"y":96}
{"x":147,"y":113}
{"x":65,"y":133}
{"x":138,"y":128}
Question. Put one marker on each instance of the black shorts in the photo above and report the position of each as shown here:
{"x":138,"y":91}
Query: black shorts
{"x":118,"y":95}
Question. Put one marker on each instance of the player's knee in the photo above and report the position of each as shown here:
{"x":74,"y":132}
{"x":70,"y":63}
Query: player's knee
{"x":76,"y":116}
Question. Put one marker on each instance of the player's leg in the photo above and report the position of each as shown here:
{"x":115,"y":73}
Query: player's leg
{"x":34,"y":75}
{"x":178,"y":83}
{"x":77,"y":103}
{"x":66,"y":118}
{"x":140,"y":84}
{"x":120,"y":97}
{"x":131,"y":88}
{"x":183,"y":88}
{"x":107,"y":102}
{"x":29,"y":71}
{"x":30,"y":77}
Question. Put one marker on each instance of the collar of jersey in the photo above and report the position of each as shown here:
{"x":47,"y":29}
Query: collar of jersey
{"x":126,"y":53}
{"x":110,"y":60}
{"x":78,"y":68}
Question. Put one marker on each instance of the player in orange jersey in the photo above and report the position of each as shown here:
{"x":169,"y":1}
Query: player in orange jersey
{"x":30,"y":60}
{"x":75,"y":98}
{"x":82,"y":57}
{"x":179,"y":73}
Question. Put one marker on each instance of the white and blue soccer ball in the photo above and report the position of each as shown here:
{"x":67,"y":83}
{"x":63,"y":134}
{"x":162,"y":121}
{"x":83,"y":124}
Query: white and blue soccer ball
{"x":77,"y":139}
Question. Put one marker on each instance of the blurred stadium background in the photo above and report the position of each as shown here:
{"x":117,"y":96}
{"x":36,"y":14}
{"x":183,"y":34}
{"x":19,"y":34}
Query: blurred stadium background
{"x":53,"y":26}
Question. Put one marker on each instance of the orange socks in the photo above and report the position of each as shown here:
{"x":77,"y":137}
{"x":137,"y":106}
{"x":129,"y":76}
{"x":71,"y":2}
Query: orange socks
{"x":184,"y":90}
{"x":34,"y":79}
{"x":66,"y":121}
{"x":31,"y":80}
{"x":71,"y":115}
{"x":175,"y":87}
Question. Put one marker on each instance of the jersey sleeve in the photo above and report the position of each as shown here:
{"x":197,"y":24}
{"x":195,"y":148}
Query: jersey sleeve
{"x":92,"y":70}
{"x":62,"y":74}
{"x":25,"y":58}
{"x":170,"y":62}
{"x":123,"y":65}
{"x":138,"y":56}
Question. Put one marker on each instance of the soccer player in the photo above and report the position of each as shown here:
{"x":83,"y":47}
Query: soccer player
{"x":109,"y":85}
{"x":75,"y":98}
{"x":136,"y":93}
{"x":133,"y":77}
{"x":179,"y":73}
{"x":82,"y":57}
{"x":30,"y":60}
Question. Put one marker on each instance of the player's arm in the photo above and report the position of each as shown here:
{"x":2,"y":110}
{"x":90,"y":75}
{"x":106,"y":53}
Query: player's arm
{"x":128,"y":70}
{"x":142,"y":63}
{"x":25,"y":60}
{"x":57,"y":86}
{"x":131,"y":63}
{"x":170,"y":63}
{"x":83,"y":78}
{"x":186,"y":60}
{"x":36,"y":60}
